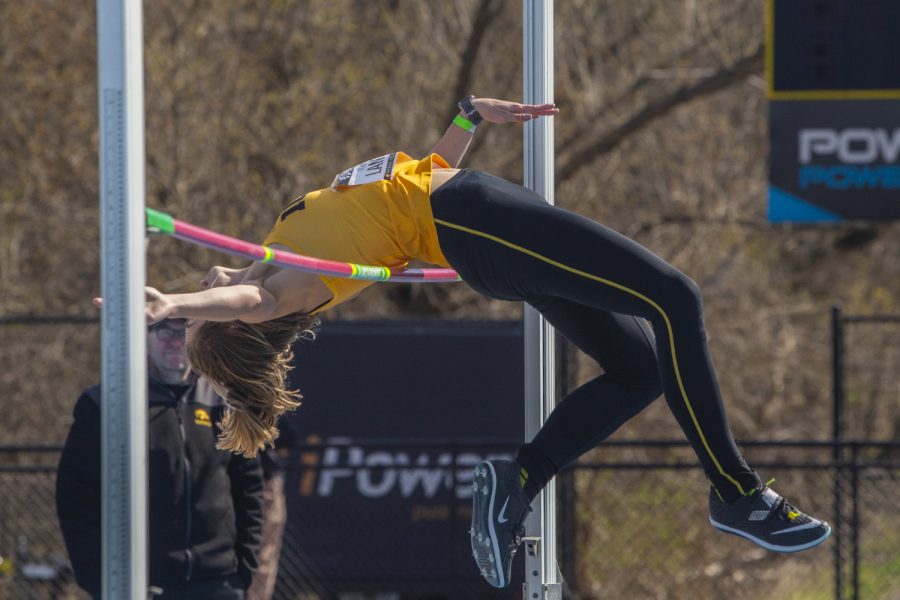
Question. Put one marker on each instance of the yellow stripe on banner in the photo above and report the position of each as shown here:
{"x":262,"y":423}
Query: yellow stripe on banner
{"x":624,"y":289}
{"x":834,"y":95}
{"x":270,"y":254}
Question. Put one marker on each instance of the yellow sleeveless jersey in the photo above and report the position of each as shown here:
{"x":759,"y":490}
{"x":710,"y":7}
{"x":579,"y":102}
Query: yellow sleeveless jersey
{"x":377,"y":213}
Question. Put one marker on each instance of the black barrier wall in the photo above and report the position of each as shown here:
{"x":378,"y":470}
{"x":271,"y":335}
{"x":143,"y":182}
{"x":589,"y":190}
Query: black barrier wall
{"x":380,"y":455}
{"x":639,"y":531}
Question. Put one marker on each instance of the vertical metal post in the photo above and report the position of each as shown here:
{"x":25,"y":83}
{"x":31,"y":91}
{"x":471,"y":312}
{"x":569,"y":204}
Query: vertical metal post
{"x":837,"y":328}
{"x":124,"y":405}
{"x":837,"y":374}
{"x":854,"y":520}
{"x":540,"y":528}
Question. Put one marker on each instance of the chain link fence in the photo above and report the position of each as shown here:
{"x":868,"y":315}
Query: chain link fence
{"x":866,"y":384}
{"x":866,"y":405}
{"x":34,"y":562}
{"x":632,"y":525}
{"x":646,"y":533}
{"x":632,"y":515}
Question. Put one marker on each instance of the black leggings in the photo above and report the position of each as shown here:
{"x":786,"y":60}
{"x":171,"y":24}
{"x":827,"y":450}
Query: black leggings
{"x":597,"y":288}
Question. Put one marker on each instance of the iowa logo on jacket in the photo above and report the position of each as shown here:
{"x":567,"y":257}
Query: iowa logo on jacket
{"x":201,"y":417}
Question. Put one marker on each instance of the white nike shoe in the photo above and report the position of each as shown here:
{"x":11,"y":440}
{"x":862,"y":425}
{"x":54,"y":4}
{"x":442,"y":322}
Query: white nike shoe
{"x":767,"y":519}
{"x":499,"y":508}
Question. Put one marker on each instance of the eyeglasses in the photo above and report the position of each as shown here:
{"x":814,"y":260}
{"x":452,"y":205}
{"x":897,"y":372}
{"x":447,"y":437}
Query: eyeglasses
{"x":168,"y":334}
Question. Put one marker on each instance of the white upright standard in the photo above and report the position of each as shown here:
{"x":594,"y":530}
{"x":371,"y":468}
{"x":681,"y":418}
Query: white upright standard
{"x":541,"y":582}
{"x":124,"y":405}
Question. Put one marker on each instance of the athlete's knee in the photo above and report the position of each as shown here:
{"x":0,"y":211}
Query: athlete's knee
{"x":682,"y":296}
{"x":638,"y":370}
{"x":643,"y":386}
{"x":644,"y":382}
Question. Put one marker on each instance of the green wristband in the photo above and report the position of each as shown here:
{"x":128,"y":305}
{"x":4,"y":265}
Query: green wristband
{"x":463,"y":123}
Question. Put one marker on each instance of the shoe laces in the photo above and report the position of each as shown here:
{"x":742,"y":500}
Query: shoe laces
{"x":787,"y":511}
{"x":790,"y":513}
{"x":759,"y":489}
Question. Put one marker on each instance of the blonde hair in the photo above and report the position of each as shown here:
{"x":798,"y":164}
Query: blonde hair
{"x":247,"y":364}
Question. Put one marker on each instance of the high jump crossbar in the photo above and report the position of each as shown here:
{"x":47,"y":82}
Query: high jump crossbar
{"x":161,"y":223}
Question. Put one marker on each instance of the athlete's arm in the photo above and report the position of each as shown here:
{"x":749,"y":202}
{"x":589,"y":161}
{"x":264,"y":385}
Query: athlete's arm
{"x":453,"y":145}
{"x":247,"y":302}
{"x":253,"y":300}
{"x":277,"y":293}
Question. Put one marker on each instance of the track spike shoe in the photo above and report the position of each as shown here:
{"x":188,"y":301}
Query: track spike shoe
{"x":498,"y":519}
{"x":766,"y":518}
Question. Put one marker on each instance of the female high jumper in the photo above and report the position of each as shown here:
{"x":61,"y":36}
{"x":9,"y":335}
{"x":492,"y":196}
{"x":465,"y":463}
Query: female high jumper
{"x":636,"y":315}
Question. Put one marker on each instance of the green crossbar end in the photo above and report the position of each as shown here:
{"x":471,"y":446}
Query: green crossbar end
{"x":159,"y":222}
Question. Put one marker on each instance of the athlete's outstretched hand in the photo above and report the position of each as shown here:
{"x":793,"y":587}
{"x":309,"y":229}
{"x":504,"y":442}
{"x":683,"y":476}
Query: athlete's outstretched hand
{"x":157,"y":306}
{"x":504,"y":111}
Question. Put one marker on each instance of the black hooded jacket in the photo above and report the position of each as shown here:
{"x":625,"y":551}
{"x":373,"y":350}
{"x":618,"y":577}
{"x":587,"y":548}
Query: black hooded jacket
{"x":205,"y":505}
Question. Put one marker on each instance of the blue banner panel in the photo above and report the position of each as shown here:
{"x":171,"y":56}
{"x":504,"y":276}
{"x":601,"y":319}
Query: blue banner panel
{"x":379,"y":483}
{"x":834,"y":160}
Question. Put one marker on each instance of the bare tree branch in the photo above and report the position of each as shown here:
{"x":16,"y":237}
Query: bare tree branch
{"x":645,"y":78}
{"x":487,"y":12}
{"x":644,"y":228}
{"x":578,"y":153}
{"x":634,"y":30}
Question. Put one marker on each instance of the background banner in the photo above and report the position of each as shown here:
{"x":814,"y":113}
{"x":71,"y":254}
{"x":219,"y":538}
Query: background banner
{"x":833,"y":77}
{"x":394,"y":417}
{"x":832,"y":160}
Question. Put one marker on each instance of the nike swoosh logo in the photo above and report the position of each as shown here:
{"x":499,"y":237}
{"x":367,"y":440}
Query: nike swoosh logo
{"x":500,"y":518}
{"x":797,"y":528}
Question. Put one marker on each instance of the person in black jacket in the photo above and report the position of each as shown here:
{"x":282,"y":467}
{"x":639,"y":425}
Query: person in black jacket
{"x":205,"y":505}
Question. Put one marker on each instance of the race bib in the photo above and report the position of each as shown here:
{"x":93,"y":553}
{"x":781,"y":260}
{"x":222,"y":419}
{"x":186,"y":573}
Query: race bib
{"x":375,"y":169}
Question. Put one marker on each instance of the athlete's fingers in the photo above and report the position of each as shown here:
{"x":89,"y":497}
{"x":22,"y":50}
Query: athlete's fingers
{"x":98,"y":302}
{"x":210,"y":276}
{"x":543,"y":109}
{"x":502,"y":111}
{"x":152,"y":317}
{"x":217,"y":277}
{"x":527,"y":112}
{"x":218,"y":281}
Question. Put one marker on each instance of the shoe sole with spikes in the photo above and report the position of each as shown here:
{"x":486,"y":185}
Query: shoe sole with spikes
{"x":499,"y":507}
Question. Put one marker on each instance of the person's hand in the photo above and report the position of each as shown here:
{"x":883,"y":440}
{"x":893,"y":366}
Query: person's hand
{"x":156,"y":308}
{"x":218,"y":277}
{"x":504,"y":111}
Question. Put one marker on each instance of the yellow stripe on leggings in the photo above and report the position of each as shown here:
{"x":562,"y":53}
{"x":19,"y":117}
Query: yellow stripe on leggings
{"x":629,"y":291}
